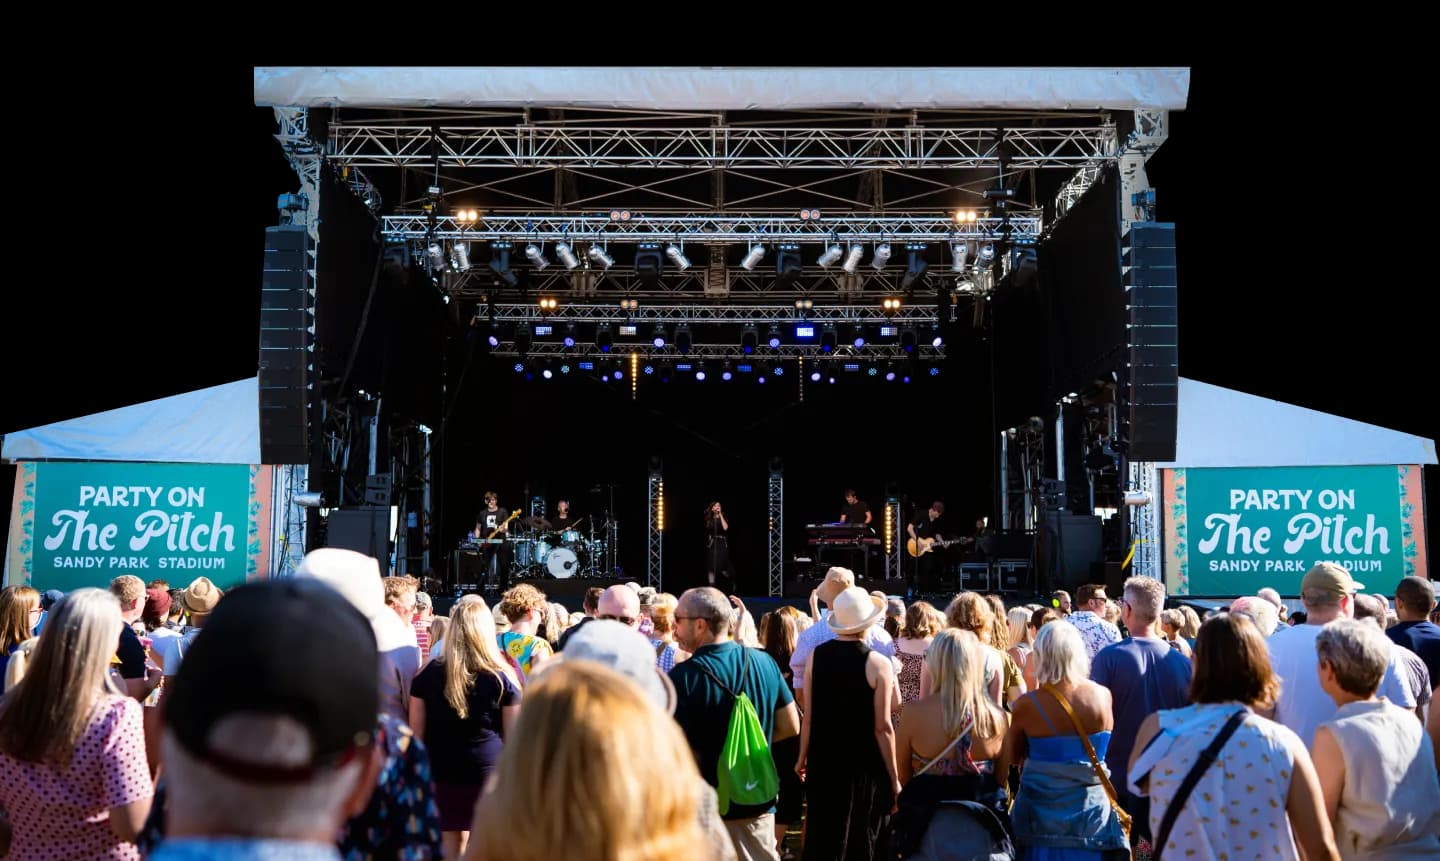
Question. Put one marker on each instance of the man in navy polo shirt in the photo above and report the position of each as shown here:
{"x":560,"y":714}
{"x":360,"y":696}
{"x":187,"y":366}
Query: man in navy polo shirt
{"x":704,"y":621}
{"x":1414,"y":599}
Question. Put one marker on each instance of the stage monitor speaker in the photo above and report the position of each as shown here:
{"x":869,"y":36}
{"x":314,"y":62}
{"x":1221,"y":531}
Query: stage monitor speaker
{"x":1074,"y":545}
{"x":1114,"y":580}
{"x":1151,"y":316}
{"x":285,"y":346}
{"x":364,"y":530}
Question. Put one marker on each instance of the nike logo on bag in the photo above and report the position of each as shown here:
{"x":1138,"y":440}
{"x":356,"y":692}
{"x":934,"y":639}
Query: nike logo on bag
{"x":750,"y":787}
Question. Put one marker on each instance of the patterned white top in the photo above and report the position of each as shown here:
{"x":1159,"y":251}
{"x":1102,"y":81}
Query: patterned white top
{"x":1094,"y":630}
{"x":1237,"y":810}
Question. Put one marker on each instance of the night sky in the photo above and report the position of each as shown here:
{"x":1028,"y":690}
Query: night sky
{"x":1290,"y":286}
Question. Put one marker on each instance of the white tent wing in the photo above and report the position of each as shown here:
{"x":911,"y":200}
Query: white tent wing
{"x":1219,"y":427}
{"x":716,"y":89}
{"x":220,"y":424}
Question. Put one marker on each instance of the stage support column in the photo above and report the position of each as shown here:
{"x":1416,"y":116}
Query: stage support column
{"x":1144,"y":522}
{"x":892,"y":526}
{"x":655,"y":515}
{"x":775,"y":499}
{"x":1004,"y":480}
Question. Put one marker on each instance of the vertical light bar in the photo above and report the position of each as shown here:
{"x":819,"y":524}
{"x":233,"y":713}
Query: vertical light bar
{"x":889,"y":529}
{"x":660,"y":506}
{"x":634,"y":374}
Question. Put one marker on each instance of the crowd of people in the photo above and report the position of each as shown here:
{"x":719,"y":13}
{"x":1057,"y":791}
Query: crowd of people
{"x":336,"y":714}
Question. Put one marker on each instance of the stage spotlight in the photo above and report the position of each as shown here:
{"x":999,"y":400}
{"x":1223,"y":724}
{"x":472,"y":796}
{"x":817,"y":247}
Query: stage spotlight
{"x":537,"y":257}
{"x":934,"y":371}
{"x":500,"y":263}
{"x":959,"y":252}
{"x":547,"y":373}
{"x":620,"y":215}
{"x":437,"y":257}
{"x":700,"y":375}
{"x":677,"y":256}
{"x":523,"y":338}
{"x":566,"y":255}
{"x":809,"y":215}
{"x":777,"y":371}
{"x":460,"y":256}
{"x":648,"y":263}
{"x":598,"y":255}
{"x":787,"y":263}
{"x":569,"y":335}
{"x":986,"y":255}
{"x":749,"y":338}
{"x":830,"y":255}
{"x":519,"y":367}
{"x":907,"y":339}
{"x":548,"y":304}
{"x":889,"y":376}
{"x":773,"y":337}
{"x":725,"y":373}
{"x":827,"y":338}
{"x":859,"y":339}
{"x":604,"y":338}
{"x":937,"y":341}
{"x":852,"y":259}
{"x":682,"y":337}
{"x":814,"y":376}
{"x":629,"y":305}
{"x":882,"y":255}
{"x":917,"y":268}
{"x":890,"y":303}
{"x":965,"y":216}
{"x":659,"y":339}
{"x":753,"y":257}
{"x":565,"y":367}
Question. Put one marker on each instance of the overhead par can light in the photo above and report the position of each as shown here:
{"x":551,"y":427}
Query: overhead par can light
{"x":677,"y":257}
{"x":882,"y":255}
{"x":829,"y":256}
{"x":852,"y":259}
{"x":753,"y":257}
{"x":566,"y":255}
{"x":537,"y":258}
{"x":460,"y":256}
{"x":598,"y":255}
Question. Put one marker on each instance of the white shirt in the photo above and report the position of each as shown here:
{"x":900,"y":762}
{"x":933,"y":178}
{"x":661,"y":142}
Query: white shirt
{"x":1303,"y":704}
{"x":1094,"y":631}
{"x":820,"y":633}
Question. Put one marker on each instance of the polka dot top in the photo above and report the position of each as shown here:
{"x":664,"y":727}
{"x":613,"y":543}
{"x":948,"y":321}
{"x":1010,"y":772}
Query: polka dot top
{"x":63,"y":812}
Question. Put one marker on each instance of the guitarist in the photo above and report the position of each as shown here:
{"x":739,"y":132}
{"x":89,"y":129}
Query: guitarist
{"x":928,"y":566}
{"x":492,"y":522}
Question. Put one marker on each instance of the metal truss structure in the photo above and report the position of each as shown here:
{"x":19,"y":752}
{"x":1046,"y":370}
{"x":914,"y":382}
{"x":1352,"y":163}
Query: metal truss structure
{"x":648,"y":352}
{"x":775,"y":502}
{"x":287,"y":520}
{"x":707,"y":282}
{"x":749,"y":227}
{"x":610,"y":312}
{"x":718,"y":146}
{"x":655,"y":530}
{"x":1145,"y":522}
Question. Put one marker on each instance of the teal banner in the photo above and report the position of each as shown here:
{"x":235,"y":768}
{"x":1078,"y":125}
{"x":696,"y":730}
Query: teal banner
{"x":1248,"y":528}
{"x":96,"y":521}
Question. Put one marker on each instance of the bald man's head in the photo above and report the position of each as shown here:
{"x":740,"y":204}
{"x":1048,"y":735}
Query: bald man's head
{"x":620,"y":603}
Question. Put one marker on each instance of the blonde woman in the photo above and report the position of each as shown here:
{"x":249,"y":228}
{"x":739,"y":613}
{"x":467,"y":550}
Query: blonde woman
{"x":971,"y":612}
{"x":1191,"y":629}
{"x":462,"y":705}
{"x":662,"y":615}
{"x":438,"y":626}
{"x":73,"y":774}
{"x":955,"y":707}
{"x":593,"y":772}
{"x":19,"y":612}
{"x":1021,"y":640}
{"x":1171,"y":623}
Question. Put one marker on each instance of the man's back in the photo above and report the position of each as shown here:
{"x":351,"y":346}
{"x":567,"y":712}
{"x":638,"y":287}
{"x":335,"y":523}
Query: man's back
{"x":1422,"y":638}
{"x":1144,"y":675}
{"x":1303,"y":705}
{"x":702,"y":707}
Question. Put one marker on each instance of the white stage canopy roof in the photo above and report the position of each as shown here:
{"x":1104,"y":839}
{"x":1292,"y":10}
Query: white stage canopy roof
{"x":220,"y":424}
{"x":1220,"y":427}
{"x":720,"y":89}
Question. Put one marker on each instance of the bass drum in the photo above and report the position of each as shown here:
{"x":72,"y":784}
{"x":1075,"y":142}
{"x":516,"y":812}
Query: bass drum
{"x":562,"y":563}
{"x":531,"y":552}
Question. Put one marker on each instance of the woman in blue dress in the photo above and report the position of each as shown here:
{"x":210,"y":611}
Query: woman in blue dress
{"x":1062,"y":811}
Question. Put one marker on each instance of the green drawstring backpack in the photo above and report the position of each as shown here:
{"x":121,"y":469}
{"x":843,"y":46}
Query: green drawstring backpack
{"x":746,"y":771}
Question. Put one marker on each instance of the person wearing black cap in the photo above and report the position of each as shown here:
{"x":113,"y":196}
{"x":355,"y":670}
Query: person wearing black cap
{"x":269,"y":736}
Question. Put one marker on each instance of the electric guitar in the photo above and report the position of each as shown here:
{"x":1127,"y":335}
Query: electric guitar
{"x":514,"y":514}
{"x":918,"y":547}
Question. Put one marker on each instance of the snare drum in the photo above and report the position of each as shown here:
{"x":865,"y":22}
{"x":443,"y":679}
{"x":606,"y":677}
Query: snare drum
{"x":570,"y":537}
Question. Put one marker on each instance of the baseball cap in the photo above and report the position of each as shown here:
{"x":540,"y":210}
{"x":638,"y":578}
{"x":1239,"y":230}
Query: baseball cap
{"x":627,"y":652}
{"x":1329,"y":577}
{"x":157,"y":602}
{"x":293,"y":648}
{"x":49,"y":598}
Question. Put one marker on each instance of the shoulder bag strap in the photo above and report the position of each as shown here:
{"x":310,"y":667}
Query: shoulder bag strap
{"x":964,"y":731}
{"x":1094,"y":760}
{"x":1187,"y":786}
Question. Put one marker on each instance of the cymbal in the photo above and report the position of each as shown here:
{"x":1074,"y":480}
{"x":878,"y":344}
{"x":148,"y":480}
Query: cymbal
{"x":536,"y":523}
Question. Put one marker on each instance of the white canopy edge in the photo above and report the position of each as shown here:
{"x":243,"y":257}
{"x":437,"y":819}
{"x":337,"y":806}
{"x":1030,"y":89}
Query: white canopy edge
{"x":220,"y":424}
{"x":1219,"y":427}
{"x":716,"y":89}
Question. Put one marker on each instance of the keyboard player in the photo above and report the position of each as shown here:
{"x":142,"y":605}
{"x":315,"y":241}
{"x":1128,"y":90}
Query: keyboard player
{"x":855,"y":511}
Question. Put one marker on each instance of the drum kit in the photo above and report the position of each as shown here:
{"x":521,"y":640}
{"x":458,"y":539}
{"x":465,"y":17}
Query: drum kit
{"x":539,"y":550}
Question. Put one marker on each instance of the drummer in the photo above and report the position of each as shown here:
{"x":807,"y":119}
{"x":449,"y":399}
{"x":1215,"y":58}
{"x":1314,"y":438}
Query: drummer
{"x":562,"y":521}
